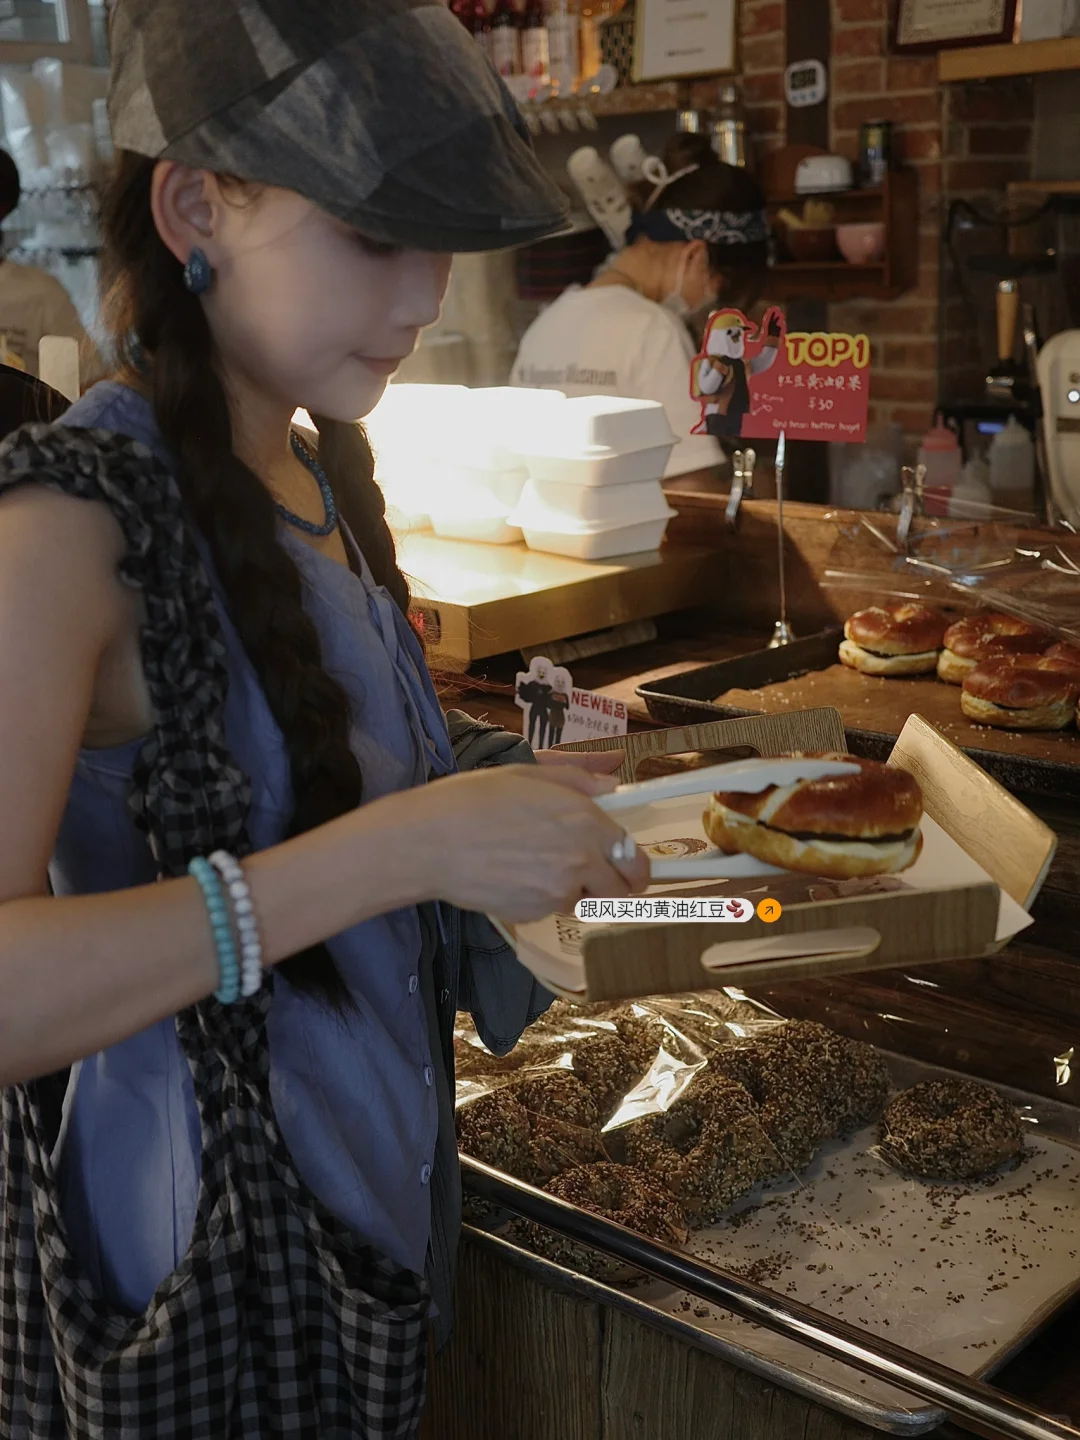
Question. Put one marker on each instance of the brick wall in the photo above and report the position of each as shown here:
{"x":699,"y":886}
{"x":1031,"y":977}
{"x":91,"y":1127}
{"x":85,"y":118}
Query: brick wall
{"x":988,"y":141}
{"x":966,"y":141}
{"x":870,"y":84}
{"x":763,"y":48}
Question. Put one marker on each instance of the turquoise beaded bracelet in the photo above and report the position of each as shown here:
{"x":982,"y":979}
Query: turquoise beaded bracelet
{"x":217,"y":908}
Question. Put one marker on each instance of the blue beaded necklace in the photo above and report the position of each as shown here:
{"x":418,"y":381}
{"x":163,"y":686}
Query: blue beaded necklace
{"x":329,"y":525}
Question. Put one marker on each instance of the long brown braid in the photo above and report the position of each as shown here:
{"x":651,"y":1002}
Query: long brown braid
{"x":235,"y":513}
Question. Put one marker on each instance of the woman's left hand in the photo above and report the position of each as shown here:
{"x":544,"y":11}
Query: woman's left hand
{"x":596,"y":762}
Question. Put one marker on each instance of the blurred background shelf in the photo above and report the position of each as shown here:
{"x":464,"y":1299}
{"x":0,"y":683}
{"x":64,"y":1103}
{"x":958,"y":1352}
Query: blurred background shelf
{"x":991,"y":62}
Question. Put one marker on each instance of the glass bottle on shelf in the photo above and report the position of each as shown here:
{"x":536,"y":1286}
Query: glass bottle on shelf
{"x":505,"y":40}
{"x":563,"y":23}
{"x":473,"y":14}
{"x":729,"y":128}
{"x":593,"y":14}
{"x":535,"y":62}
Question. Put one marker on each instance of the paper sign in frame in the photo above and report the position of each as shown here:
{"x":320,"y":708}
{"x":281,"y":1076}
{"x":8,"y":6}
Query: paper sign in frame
{"x":716,"y":39}
{"x":904,"y":12}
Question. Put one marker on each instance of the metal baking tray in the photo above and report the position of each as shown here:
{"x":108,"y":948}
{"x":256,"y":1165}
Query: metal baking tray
{"x":1042,"y":764}
{"x":963,"y":1274}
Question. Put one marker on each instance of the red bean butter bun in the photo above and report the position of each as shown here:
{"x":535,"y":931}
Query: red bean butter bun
{"x":980,"y":637}
{"x":894,"y":640}
{"x":1020,"y":693}
{"x":1065,"y":650}
{"x":865,"y":823}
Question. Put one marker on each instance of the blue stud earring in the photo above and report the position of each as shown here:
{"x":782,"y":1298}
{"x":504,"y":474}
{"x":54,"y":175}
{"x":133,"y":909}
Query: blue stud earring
{"x":198,"y":276}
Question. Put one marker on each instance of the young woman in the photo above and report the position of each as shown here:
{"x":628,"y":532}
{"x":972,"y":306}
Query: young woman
{"x":217,"y":731}
{"x":697,"y":239}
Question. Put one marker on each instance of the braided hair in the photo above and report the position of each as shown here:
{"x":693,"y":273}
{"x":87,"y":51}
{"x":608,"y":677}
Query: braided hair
{"x":148,"y":303}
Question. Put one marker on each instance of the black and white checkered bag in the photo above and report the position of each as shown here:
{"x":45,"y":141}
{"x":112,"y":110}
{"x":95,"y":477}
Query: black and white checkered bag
{"x":277,"y":1322}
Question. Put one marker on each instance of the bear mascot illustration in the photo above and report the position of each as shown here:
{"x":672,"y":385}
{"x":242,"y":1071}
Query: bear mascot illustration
{"x":721,"y":374}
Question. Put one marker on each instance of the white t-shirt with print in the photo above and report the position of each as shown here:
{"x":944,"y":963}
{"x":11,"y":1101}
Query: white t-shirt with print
{"x":32,"y":304}
{"x":609,"y":340}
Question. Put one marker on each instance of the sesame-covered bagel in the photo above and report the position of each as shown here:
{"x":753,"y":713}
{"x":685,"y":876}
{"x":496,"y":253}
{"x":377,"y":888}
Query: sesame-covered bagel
{"x":951,"y":1130}
{"x":637,"y":1201}
{"x":533,"y":1128}
{"x":786,"y":1087}
{"x":1022,"y":693}
{"x":710,"y":1146}
{"x":893,"y":640}
{"x":864,"y":823}
{"x":851,"y":1078}
{"x":979,"y":637}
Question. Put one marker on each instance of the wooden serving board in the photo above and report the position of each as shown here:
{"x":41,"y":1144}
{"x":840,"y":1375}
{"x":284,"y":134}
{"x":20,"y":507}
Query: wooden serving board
{"x":807,"y":675}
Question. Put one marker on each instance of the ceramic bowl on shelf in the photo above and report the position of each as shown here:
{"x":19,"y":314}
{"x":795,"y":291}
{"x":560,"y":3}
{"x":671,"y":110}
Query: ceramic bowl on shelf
{"x":811,"y":246}
{"x":823,"y":175}
{"x":861,"y":244}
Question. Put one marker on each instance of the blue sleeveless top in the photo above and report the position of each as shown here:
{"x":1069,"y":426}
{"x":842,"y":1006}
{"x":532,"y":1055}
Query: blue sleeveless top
{"x":357,"y":1097}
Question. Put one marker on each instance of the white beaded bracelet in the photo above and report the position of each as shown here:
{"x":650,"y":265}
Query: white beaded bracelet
{"x":247,"y":926}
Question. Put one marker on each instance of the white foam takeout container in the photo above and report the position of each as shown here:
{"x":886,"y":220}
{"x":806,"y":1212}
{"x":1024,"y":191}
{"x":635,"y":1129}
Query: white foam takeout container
{"x":448,"y":456}
{"x":639,"y":527}
{"x":474,"y":522}
{"x":611,"y":505}
{"x":475,"y":505}
{"x":602,"y":440}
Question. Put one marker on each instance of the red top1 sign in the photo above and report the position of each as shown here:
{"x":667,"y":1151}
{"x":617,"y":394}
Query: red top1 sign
{"x":753,"y":385}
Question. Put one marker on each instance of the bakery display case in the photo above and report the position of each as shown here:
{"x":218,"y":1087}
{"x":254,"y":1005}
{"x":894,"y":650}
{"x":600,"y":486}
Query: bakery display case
{"x":798,"y":1310}
{"x":751,"y":1181}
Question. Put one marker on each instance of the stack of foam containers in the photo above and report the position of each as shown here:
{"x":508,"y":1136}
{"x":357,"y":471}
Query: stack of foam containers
{"x":408,"y":430}
{"x":482,"y":475}
{"x":594,"y":488}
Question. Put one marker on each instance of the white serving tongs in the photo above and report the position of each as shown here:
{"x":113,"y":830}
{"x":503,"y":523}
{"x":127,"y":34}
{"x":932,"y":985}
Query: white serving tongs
{"x":745,"y":777}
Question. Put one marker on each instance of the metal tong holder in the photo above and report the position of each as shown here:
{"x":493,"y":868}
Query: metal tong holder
{"x":783,"y":634}
{"x":912,"y":503}
{"x":965,"y":1399}
{"x":742,"y":483}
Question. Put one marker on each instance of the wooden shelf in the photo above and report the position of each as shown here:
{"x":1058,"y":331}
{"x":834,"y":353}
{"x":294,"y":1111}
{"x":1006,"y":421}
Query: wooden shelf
{"x":873,"y":193}
{"x":990,"y":62}
{"x":636,"y":100}
{"x":896,"y":204}
{"x":830,"y":280}
{"x":1044,"y":187}
{"x":830,"y":267}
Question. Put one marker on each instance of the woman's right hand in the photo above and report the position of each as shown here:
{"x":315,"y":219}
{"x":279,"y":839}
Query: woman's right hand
{"x":523,"y":841}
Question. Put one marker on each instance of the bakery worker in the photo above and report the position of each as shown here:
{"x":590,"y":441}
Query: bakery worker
{"x":699,"y":236}
{"x":34,"y":303}
{"x":722,"y":377}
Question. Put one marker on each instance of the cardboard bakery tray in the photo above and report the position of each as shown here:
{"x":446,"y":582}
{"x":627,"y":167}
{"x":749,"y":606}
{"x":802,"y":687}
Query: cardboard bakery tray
{"x":808,"y":673}
{"x":984,"y":859}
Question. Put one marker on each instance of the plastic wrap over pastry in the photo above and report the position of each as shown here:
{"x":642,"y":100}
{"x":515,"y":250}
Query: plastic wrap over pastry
{"x":703,"y":1099}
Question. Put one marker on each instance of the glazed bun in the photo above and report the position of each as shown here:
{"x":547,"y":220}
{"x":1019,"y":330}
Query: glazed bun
{"x":1018,"y":693}
{"x":1065,"y":650}
{"x":865,"y":823}
{"x":980,"y":637}
{"x":893,"y":640}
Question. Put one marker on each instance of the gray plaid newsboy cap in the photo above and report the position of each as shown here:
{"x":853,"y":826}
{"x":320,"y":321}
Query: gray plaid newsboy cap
{"x":383,"y":112}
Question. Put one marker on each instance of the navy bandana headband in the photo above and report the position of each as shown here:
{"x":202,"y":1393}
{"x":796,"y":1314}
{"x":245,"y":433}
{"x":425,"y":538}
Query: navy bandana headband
{"x":716,"y":227}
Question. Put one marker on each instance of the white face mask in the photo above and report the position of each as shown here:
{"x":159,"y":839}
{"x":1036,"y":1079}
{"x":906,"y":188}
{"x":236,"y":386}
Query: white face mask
{"x":675,"y":302}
